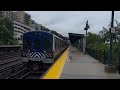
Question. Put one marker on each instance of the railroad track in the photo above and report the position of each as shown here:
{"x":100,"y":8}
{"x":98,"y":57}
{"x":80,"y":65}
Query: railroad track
{"x":37,"y":74}
{"x":31,"y":75}
{"x":3,"y":57}
{"x":9,"y":61}
{"x":19,"y":74}
{"x":22,"y":71}
{"x":40,"y":73}
{"x":25,"y":71}
{"x":7,"y":72}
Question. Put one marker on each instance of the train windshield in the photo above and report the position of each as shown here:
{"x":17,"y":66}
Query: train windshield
{"x":38,"y":42}
{"x":48,"y":44}
{"x":43,"y":44}
{"x":27,"y":43}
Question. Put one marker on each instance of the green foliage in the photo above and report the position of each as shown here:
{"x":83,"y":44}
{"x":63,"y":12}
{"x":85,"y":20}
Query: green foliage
{"x":93,"y":40}
{"x":6,"y":31}
{"x":97,"y":43}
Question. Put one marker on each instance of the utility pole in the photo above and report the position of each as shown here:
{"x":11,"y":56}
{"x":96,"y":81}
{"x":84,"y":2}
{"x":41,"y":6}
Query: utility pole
{"x":111,"y":38}
{"x":109,"y":67}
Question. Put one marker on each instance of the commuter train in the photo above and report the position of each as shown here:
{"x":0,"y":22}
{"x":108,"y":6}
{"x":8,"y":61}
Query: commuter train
{"x":41,"y":46}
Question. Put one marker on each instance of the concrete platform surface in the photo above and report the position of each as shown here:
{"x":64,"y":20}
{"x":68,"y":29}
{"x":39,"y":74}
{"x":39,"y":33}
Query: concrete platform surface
{"x":84,"y":67}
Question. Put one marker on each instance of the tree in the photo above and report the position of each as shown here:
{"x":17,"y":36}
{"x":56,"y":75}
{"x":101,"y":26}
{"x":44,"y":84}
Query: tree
{"x":6,"y":31}
{"x":93,"y":39}
{"x":104,"y":34}
{"x":118,"y":30}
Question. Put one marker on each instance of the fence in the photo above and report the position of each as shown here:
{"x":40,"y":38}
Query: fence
{"x":103,"y":56}
{"x":9,"y":51}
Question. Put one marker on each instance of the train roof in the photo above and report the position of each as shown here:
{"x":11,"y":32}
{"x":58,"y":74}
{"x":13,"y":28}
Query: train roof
{"x":39,"y":31}
{"x":45,"y":32}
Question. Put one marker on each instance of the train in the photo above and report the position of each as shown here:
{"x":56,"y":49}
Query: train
{"x":42,"y":46}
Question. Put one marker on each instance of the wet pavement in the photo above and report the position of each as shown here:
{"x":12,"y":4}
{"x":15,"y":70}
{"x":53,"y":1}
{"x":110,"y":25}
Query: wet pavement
{"x":84,"y":67}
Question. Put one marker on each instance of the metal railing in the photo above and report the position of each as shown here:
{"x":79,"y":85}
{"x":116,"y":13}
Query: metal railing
{"x":102,"y":56}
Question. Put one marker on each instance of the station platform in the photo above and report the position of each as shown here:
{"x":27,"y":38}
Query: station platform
{"x":73,"y":64}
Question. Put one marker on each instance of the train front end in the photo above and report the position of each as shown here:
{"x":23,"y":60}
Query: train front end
{"x":37,"y":47}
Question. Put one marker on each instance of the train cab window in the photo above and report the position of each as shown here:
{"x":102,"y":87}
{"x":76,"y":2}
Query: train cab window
{"x":27,"y":43}
{"x":37,"y":44}
{"x":48,"y":44}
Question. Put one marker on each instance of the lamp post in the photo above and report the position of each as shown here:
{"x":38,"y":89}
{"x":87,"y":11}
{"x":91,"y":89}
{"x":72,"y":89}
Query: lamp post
{"x":86,"y":28}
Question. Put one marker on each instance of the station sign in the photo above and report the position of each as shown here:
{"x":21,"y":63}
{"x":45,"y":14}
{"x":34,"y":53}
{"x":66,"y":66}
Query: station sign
{"x":113,"y":30}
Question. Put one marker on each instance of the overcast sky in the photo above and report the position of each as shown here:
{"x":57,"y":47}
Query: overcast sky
{"x":73,"y":21}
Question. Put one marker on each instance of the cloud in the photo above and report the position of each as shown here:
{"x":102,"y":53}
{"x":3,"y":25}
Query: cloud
{"x":73,"y":21}
{"x":55,"y":20}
